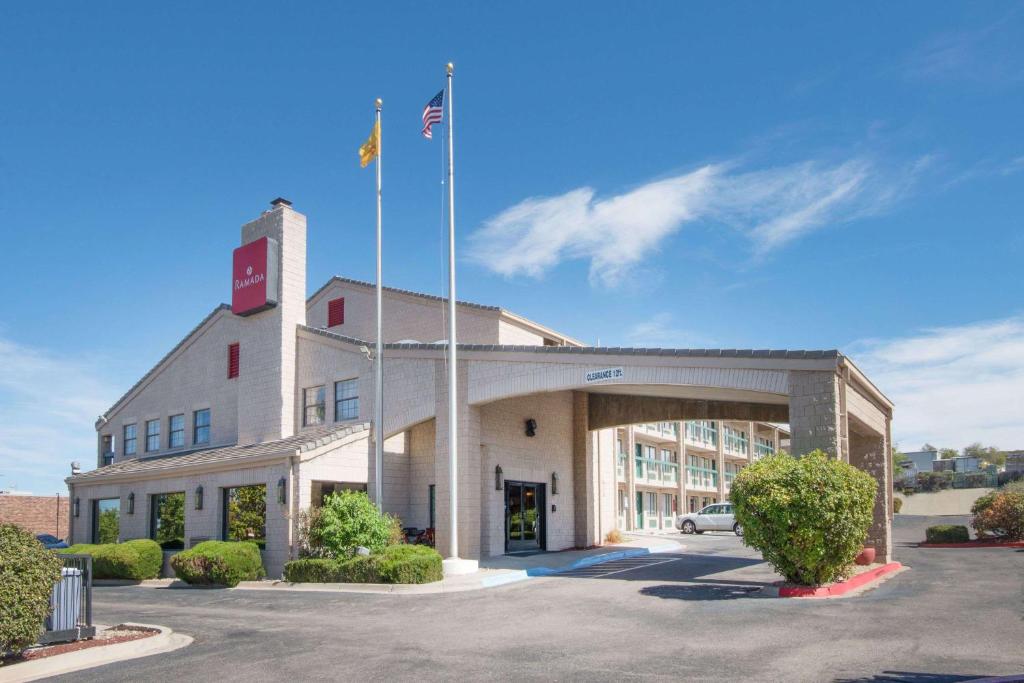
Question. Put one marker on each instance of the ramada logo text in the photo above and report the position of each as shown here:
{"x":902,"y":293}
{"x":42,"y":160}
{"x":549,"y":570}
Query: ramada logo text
{"x":249,"y":279}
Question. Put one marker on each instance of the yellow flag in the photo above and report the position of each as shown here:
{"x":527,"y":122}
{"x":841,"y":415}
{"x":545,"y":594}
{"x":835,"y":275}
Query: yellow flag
{"x":371,"y":148}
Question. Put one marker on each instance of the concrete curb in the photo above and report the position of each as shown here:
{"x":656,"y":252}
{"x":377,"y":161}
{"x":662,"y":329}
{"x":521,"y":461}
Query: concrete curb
{"x":843,"y":589}
{"x":974,"y":544}
{"x":165,"y":641}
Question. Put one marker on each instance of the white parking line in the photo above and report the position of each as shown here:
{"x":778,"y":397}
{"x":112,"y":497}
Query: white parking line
{"x":595,"y":571}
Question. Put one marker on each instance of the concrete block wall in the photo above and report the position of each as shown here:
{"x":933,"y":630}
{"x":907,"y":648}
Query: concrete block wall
{"x":195,"y":378}
{"x":396,"y":475}
{"x":347,"y":463}
{"x":266,"y":384}
{"x":322,"y":363}
{"x":406,"y":316}
{"x":205,"y":523}
{"x":814,"y":412}
{"x":528,"y":459}
{"x":422,"y":474}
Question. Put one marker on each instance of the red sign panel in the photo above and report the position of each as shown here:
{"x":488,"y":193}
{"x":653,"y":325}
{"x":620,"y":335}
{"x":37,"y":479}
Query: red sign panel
{"x":254,"y":277}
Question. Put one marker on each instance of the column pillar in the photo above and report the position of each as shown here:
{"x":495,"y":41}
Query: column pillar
{"x":586,"y":482}
{"x":469,"y":481}
{"x":631,"y":477}
{"x":720,"y":457}
{"x":869,"y":453}
{"x":681,"y":454}
{"x":815,"y":413}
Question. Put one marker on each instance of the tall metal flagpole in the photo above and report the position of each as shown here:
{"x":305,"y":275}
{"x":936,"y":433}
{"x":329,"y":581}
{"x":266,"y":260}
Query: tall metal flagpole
{"x":453,"y":445}
{"x":378,"y":431}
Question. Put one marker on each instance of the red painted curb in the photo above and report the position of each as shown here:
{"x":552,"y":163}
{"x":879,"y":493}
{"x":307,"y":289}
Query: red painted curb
{"x":974,"y":544}
{"x":841,"y":587}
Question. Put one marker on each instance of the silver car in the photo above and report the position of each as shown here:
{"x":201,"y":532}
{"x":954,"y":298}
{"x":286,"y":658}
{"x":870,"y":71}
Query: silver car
{"x":717,"y":517}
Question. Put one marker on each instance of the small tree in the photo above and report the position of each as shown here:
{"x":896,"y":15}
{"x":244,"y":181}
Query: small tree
{"x":109,"y":526}
{"x":349,"y":519}
{"x":987,"y":454}
{"x":1001,"y":514}
{"x":948,"y":453}
{"x":808,"y":516}
{"x":27,"y":574}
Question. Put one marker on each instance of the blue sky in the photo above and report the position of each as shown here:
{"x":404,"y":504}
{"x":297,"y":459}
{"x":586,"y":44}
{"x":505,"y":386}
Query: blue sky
{"x":741,"y":175}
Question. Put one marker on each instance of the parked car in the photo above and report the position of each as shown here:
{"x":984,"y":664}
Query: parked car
{"x":717,"y":517}
{"x":51,"y":542}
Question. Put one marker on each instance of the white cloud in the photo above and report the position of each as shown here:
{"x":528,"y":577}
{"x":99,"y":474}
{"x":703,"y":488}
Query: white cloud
{"x":989,"y":54}
{"x":661,"y":331}
{"x":48,"y":407}
{"x":953,"y":385}
{"x":771,"y":206}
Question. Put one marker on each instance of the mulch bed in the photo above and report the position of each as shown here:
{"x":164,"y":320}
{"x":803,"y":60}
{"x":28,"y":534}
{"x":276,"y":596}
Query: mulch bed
{"x":981,"y":543}
{"x":122,"y":633}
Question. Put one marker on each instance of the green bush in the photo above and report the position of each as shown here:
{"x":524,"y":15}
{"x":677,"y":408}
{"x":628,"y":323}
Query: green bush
{"x":138,"y":559}
{"x":934,"y":481}
{"x":395,"y":564}
{"x":348,"y":520}
{"x":947,"y":533}
{"x":808,"y":516}
{"x":999,"y":513}
{"x":27,"y":574}
{"x":219,"y":563}
{"x":897,"y":504}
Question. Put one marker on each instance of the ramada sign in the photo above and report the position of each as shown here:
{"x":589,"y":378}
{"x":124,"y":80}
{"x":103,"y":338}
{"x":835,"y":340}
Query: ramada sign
{"x":254,"y":277}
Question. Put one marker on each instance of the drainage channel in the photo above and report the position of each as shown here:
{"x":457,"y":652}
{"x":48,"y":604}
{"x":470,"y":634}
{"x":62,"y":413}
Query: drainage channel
{"x":617,"y":566}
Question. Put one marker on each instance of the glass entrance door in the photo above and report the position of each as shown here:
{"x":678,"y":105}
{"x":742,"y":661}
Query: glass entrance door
{"x":524,"y":516}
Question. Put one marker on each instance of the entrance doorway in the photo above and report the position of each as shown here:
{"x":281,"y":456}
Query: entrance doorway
{"x":524,"y":517}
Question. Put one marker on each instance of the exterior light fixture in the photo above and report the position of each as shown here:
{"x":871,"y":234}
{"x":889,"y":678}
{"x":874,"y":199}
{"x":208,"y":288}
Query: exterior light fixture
{"x":554,"y":483}
{"x":78,"y":507}
{"x":282,"y":491}
{"x":531,"y":427}
{"x":131,"y":503}
{"x":499,"y":478}
{"x":199,"y":498}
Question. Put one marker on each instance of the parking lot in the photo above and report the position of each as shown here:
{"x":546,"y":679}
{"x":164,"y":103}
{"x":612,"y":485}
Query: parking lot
{"x":694,"y":615}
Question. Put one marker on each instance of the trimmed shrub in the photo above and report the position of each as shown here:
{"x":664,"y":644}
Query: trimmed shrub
{"x":1000,"y":514}
{"x":136,"y":560}
{"x":395,"y":564}
{"x":947,"y":533}
{"x":897,"y":504}
{"x":219,"y":563}
{"x":27,"y":574}
{"x":808,"y":516}
{"x":348,"y":520}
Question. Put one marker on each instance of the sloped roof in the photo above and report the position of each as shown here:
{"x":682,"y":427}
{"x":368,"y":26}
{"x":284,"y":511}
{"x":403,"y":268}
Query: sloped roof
{"x":292,"y":445}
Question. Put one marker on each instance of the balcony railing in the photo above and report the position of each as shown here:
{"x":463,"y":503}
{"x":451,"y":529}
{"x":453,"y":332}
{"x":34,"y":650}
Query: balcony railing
{"x":734,"y":442}
{"x":656,"y":472}
{"x":763,"y":449}
{"x":620,"y":466}
{"x":701,"y":477}
{"x":702,"y":434}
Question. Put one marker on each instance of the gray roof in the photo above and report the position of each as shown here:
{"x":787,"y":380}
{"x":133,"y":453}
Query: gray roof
{"x":292,"y":445}
{"x":597,"y":350}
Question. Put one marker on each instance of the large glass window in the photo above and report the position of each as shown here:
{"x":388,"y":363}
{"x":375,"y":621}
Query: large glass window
{"x":106,"y":526}
{"x":314,"y":402}
{"x":152,"y":435}
{"x":129,"y":439}
{"x":319,"y":490}
{"x":346,"y":400}
{"x":245,"y":514}
{"x":201,"y":426}
{"x":176,"y":431}
{"x":167,"y":520}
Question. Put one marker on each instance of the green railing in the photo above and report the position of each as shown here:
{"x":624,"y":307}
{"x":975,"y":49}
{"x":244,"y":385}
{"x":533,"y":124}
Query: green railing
{"x":620,"y":465}
{"x":652,"y":471}
{"x":701,"y":476}
{"x":702,"y":433}
{"x":763,"y":449}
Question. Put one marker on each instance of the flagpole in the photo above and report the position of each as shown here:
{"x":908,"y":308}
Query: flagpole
{"x":378,"y":432}
{"x":453,"y":445}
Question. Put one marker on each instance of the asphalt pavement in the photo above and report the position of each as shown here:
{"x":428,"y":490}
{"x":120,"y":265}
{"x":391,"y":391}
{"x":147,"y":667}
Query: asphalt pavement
{"x":695,"y":615}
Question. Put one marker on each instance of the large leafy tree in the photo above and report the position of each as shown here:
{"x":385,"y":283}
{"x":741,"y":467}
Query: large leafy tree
{"x":987,"y":454}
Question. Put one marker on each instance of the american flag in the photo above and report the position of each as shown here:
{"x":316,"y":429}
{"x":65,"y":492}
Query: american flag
{"x":432,"y":114}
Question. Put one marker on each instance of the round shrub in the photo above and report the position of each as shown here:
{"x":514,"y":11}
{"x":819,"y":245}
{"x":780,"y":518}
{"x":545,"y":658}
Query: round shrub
{"x":395,"y":564}
{"x":1000,"y":514}
{"x":808,"y":516}
{"x":348,"y":520}
{"x":27,"y":574}
{"x":219,"y":563}
{"x":136,"y":560}
{"x":946,"y":533}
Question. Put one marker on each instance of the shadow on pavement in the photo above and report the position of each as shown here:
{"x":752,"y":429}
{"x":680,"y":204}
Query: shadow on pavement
{"x":914,"y":677}
{"x":700,"y":592}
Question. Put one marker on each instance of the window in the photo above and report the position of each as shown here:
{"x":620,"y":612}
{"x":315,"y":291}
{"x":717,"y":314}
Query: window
{"x":129,"y":439}
{"x":319,"y":490}
{"x":313,"y":406}
{"x":167,"y":520}
{"x":152,"y":435}
{"x":233,"y":360}
{"x":245,"y":514}
{"x":201,"y":426}
{"x":336,"y":312}
{"x":176,"y":429}
{"x":432,"y":504}
{"x":107,"y":450}
{"x":346,"y":400}
{"x":106,"y":513}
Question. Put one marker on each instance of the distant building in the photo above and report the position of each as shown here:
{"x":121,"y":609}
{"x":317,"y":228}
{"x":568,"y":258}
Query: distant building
{"x":917,"y":461}
{"x":1015,"y":461}
{"x":961,"y":463}
{"x":36,"y":514}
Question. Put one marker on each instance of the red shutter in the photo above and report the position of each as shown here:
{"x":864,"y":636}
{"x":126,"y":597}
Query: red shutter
{"x":233,"y":360}
{"x":336,"y":312}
